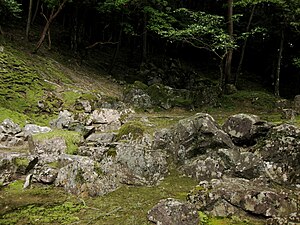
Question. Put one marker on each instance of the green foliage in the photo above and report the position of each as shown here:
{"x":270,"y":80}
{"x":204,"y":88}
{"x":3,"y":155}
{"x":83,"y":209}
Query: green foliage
{"x":72,"y":139}
{"x":296,"y":62}
{"x":8,"y":9}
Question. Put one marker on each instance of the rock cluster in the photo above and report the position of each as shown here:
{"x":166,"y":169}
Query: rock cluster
{"x":245,"y":167}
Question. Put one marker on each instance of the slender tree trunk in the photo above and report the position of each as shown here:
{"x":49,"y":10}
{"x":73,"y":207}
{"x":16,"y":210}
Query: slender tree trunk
{"x":35,"y":11}
{"x":43,"y":35}
{"x":229,"y":53}
{"x":29,"y":19}
{"x":144,"y":51}
{"x":244,"y":46}
{"x":49,"y":40}
{"x":52,"y":16}
{"x":116,"y":51}
{"x":277,"y":76}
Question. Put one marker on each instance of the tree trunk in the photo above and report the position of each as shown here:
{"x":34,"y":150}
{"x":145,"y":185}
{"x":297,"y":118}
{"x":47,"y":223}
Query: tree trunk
{"x":29,"y":19}
{"x":277,"y":76}
{"x":116,"y":51}
{"x":144,"y":50}
{"x":244,"y":46}
{"x":229,"y":53}
{"x":43,"y":35}
{"x":35,"y":11}
{"x":47,"y":25}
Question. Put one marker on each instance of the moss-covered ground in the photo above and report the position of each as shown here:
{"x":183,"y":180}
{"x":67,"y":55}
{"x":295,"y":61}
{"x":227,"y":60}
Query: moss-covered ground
{"x":126,"y":206}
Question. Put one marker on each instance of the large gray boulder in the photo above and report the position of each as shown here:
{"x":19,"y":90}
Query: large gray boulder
{"x":281,"y":155}
{"x":31,"y":129}
{"x":173,"y":212}
{"x":237,"y":196}
{"x":9,"y":127}
{"x":216,"y":164}
{"x":245,"y":128}
{"x":64,"y":120}
{"x":139,"y":163}
{"x":13,"y":165}
{"x":105,"y":119}
{"x":192,"y":137}
{"x":47,"y":149}
{"x":138,"y":98}
{"x":85,"y":177}
{"x":11,"y":134}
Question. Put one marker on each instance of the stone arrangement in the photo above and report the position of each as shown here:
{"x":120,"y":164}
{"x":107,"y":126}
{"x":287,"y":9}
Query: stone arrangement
{"x":246,"y":167}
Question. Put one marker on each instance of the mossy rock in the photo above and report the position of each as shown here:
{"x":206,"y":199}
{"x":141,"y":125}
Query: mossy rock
{"x":134,"y":129}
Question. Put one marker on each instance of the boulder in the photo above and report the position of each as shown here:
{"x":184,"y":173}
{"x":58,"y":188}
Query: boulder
{"x":9,"y":127}
{"x":280,"y":151}
{"x":31,"y":129}
{"x":139,"y":164}
{"x":297,"y":103}
{"x":85,"y":105}
{"x":237,"y":196}
{"x":47,"y":149}
{"x":192,"y":137}
{"x":245,"y":128}
{"x":95,"y":152}
{"x":288,"y":114}
{"x":173,"y":212}
{"x":85,"y":177}
{"x":101,"y":137}
{"x":105,"y":119}
{"x":64,"y":120}
{"x":13,"y":165}
{"x":46,"y":174}
{"x":138,"y":98}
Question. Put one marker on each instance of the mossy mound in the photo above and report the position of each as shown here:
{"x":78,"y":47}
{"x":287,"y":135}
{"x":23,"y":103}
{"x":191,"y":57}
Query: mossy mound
{"x":133,"y":129}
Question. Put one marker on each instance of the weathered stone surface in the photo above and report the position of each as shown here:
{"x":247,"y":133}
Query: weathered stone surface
{"x":172,"y":212}
{"x":47,"y":149}
{"x":12,"y":165}
{"x":245,"y":128}
{"x":31,"y":129}
{"x":85,"y":105}
{"x":9,"y":127}
{"x":192,"y":137}
{"x":101,"y":137}
{"x":138,"y":98}
{"x":93,"y":151}
{"x":105,"y":119}
{"x":83,"y":176}
{"x":139,"y":163}
{"x":288,"y":114}
{"x":46,"y":174}
{"x":280,"y":151}
{"x":297,"y":103}
{"x":235,"y":195}
{"x":64,"y":120}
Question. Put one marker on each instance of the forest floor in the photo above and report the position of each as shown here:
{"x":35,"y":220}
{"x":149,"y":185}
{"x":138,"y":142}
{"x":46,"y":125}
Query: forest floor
{"x":128,"y":204}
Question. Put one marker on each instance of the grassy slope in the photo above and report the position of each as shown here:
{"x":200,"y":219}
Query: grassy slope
{"x":27,"y":78}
